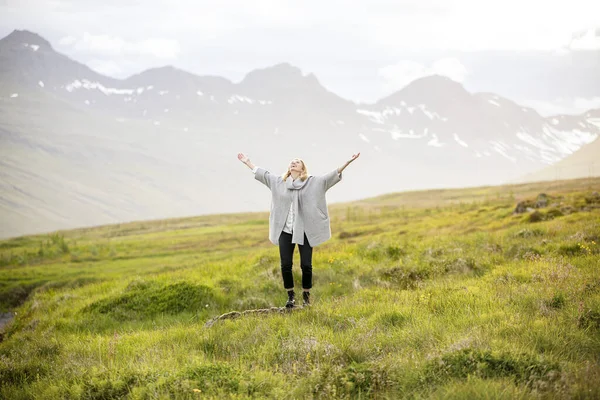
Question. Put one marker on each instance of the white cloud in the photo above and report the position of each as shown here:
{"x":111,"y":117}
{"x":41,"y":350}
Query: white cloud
{"x":450,"y":67}
{"x":474,"y":25}
{"x":586,"y":40}
{"x":586,"y":104}
{"x":106,"y":67}
{"x":402,"y":73}
{"x":107,"y":45}
{"x":408,"y":24}
{"x":67,"y":41}
{"x":573,"y":106}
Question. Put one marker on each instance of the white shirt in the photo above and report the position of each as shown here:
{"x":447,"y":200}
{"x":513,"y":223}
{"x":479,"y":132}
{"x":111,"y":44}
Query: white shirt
{"x":289,"y":222}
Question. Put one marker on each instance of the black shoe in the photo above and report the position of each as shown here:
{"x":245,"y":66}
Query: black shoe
{"x":291,"y":299}
{"x":306,"y":299}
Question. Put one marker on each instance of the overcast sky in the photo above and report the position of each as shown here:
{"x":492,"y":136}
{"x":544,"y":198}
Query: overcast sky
{"x":361,"y":50}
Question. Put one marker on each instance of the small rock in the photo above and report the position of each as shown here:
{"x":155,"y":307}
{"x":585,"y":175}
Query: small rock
{"x":237,"y":314}
{"x":542,"y":200}
{"x":536,"y":216}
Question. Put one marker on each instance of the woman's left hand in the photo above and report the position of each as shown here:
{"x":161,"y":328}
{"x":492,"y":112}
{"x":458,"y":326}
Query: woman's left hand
{"x":354,"y":157}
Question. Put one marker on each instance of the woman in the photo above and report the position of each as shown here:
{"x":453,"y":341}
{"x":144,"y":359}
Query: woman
{"x":298,"y":216}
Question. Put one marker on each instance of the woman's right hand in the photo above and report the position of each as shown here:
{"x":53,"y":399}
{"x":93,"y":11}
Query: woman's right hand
{"x":242,"y":157}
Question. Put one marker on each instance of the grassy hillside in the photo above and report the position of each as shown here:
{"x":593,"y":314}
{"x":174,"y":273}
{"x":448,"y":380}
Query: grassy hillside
{"x":440,"y":294}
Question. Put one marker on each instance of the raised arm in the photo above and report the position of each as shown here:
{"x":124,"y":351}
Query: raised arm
{"x":260,"y":174}
{"x":354,"y":157}
{"x":335,"y":176}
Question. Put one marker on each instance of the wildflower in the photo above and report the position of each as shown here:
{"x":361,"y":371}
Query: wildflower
{"x":197,"y":391}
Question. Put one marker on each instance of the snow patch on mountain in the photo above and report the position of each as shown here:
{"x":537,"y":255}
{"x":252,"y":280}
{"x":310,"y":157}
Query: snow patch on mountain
{"x":461,"y":142}
{"x":89,"y":85}
{"x":236,"y":98}
{"x":430,"y":114}
{"x":502,"y":149}
{"x":374,"y":116}
{"x":537,"y":143}
{"x":567,"y":142}
{"x":33,"y":47}
{"x":434,"y":142}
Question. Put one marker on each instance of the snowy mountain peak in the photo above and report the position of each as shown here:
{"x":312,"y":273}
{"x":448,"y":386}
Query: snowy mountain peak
{"x":169,"y":78}
{"x":158,"y":74}
{"x":439,"y":88}
{"x":279,"y":74}
{"x":25,"y":39}
{"x":435,"y":81}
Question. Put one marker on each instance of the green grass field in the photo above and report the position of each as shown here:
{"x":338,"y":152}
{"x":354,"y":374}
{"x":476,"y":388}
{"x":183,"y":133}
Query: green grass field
{"x":431,"y":294}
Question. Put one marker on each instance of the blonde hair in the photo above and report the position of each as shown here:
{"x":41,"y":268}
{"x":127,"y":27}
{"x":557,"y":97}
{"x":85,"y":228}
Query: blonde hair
{"x":303,"y":175}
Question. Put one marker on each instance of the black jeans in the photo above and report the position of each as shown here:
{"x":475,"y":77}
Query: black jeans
{"x":286,"y":252}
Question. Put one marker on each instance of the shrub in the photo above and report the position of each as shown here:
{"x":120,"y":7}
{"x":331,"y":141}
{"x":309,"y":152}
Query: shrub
{"x":13,"y":371}
{"x":216,"y":375}
{"x":146,"y":299}
{"x":106,"y":388}
{"x":554,"y":213}
{"x":570,"y":249}
{"x":395,"y":252}
{"x":404,"y":279}
{"x":354,"y":381}
{"x":392,"y":319}
{"x":520,"y":252}
{"x":558,"y":301}
{"x":525,"y":233}
{"x":589,"y":319}
{"x":536,"y":216}
{"x":461,"y":364}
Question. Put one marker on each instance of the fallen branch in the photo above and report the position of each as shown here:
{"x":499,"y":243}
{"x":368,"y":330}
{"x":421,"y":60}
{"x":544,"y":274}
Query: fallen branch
{"x":237,"y":314}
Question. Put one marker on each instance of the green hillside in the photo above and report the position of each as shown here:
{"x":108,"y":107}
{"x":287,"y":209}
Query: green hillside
{"x":431,"y":294}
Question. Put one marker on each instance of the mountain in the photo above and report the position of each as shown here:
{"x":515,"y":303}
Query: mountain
{"x":78,"y":148}
{"x":168,"y":77}
{"x":593,"y":116}
{"x":28,"y":59}
{"x":472,"y":129}
{"x":583,"y":163}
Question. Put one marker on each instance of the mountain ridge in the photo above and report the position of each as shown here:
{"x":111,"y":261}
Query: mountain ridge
{"x":139,"y":148}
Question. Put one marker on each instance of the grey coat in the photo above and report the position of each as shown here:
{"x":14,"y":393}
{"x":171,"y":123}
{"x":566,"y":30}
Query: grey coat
{"x":310,"y":205}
